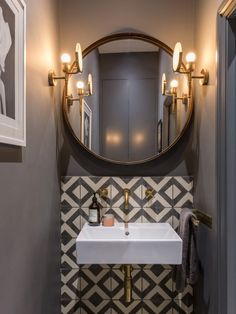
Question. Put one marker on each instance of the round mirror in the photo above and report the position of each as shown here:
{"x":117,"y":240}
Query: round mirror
{"x":133,"y":115}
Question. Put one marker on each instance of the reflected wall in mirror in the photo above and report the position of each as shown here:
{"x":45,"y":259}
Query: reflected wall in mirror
{"x":127,"y":104}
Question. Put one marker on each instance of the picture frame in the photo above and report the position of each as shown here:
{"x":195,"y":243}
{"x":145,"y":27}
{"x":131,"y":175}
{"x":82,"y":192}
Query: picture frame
{"x":13,"y":72}
{"x":86,"y":127}
{"x":159,"y":136}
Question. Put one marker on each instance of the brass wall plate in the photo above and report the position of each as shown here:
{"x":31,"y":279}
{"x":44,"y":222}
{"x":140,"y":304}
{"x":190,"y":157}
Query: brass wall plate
{"x":51,"y":78}
{"x":103,"y":192}
{"x":205,"y":79}
{"x":149,"y":193}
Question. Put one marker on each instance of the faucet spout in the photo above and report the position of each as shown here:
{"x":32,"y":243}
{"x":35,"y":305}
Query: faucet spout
{"x":126,"y":196}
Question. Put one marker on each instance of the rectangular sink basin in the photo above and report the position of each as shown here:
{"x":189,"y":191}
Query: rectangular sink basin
{"x":147,"y":243}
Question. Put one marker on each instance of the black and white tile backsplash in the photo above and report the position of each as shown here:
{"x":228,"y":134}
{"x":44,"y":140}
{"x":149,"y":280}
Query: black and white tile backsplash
{"x":95,"y":289}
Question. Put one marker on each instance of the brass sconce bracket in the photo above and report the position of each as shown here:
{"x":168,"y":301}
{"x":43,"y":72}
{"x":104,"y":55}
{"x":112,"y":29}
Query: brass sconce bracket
{"x":70,"y":100}
{"x":184,"y":99}
{"x":52,"y":78}
{"x":173,"y":92}
{"x":204,"y":77}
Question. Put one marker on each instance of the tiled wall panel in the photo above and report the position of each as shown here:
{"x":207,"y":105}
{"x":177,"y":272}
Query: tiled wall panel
{"x":95,"y":289}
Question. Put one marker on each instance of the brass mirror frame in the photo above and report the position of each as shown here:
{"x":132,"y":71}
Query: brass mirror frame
{"x":115,"y":37}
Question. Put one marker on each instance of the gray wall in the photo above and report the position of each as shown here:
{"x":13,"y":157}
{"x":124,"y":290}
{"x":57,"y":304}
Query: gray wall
{"x":86,"y":21}
{"x":205,"y":151}
{"x":29,"y":210}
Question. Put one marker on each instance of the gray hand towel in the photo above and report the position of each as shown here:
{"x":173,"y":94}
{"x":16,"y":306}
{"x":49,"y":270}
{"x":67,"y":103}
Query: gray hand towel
{"x":187,"y":272}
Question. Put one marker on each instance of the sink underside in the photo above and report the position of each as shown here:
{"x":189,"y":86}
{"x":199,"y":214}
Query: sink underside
{"x":147,"y":243}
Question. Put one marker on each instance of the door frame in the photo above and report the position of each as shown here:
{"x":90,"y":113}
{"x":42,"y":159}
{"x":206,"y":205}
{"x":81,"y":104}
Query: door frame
{"x":226,"y":162}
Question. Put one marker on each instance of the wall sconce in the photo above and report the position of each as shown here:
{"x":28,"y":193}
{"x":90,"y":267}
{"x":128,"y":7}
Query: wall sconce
{"x":67,"y":67}
{"x":172,"y":92}
{"x":190,"y":66}
{"x":81,"y":92}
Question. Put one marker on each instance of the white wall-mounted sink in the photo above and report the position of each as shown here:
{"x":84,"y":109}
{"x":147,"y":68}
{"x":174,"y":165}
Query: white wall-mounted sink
{"x":147,"y":243}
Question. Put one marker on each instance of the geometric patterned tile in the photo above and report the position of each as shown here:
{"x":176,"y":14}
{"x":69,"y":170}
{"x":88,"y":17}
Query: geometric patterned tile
{"x":117,"y":192}
{"x":95,"y":305}
{"x":118,"y":266}
{"x":117,"y":284}
{"x":157,"y":284}
{"x":99,"y":288}
{"x":70,"y":280}
{"x":155,"y":214}
{"x":70,"y":222}
{"x":163,"y":267}
{"x":90,"y":185}
{"x":95,"y":283}
{"x":162,"y":192}
{"x":186,"y":295}
{"x":133,"y":215}
{"x":84,"y":216}
{"x":70,"y":306}
{"x":101,"y":266}
{"x":153,"y":307}
{"x":70,"y":191}
{"x":68,"y":253}
{"x":179,"y":307}
{"x":121,"y":307}
{"x":183,"y":191}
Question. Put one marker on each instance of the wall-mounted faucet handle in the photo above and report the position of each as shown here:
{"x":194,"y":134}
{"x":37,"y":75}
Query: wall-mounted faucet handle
{"x":103,"y":192}
{"x":149,"y":193}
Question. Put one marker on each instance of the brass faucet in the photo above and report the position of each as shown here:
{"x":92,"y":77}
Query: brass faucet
{"x":126,"y":196}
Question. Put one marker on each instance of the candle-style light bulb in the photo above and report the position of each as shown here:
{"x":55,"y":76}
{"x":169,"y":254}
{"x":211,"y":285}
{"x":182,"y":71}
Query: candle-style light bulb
{"x":173,"y":86}
{"x":191,"y":58}
{"x":65,"y":58}
{"x":80,"y":88}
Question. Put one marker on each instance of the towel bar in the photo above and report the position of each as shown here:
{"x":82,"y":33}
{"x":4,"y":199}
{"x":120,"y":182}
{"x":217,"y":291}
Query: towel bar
{"x":195,"y":221}
{"x":202,"y":217}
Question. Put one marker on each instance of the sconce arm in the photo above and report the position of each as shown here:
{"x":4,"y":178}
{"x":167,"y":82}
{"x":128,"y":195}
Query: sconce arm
{"x":74,"y":69}
{"x":52,"y":78}
{"x":204,"y":77}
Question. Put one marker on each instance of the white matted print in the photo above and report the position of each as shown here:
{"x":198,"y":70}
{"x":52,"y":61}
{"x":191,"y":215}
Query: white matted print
{"x":12,"y":72}
{"x":86,"y":125}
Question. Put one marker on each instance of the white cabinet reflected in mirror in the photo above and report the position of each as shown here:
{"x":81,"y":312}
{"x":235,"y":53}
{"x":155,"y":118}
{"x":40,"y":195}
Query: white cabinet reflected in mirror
{"x":124,"y":114}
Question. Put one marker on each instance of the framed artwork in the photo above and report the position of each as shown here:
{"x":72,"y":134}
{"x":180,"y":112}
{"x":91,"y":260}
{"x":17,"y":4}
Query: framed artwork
{"x":12,"y":72}
{"x":86,"y":128}
{"x":159,"y":136}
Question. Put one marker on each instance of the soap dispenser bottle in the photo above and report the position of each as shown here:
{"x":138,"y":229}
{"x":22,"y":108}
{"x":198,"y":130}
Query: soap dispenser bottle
{"x":94,"y":212}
